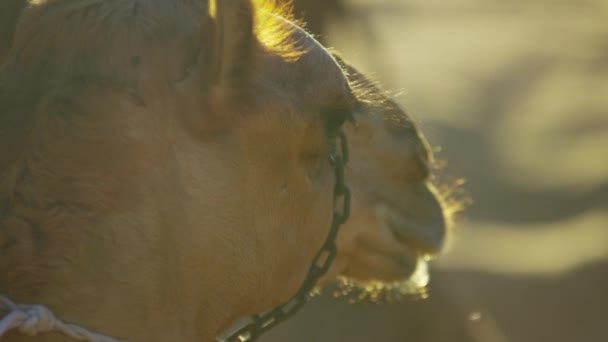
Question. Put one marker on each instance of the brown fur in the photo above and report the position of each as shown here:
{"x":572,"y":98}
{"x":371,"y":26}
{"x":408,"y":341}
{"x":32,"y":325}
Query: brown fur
{"x":163,"y":172}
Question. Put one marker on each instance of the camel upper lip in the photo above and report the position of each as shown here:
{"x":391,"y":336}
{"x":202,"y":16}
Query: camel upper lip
{"x":426,"y":237}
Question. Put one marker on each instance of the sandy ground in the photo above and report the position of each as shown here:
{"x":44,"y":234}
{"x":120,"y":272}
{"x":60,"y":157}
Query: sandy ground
{"x":516,"y":95}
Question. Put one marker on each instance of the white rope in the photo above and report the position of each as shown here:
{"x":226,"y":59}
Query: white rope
{"x":34,"y":319}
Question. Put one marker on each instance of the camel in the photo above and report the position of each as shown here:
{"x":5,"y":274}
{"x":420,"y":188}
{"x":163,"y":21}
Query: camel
{"x":399,"y":218}
{"x":164,"y":166}
{"x":131,"y":244}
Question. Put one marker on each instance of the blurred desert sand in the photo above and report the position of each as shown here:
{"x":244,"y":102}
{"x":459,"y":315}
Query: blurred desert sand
{"x":516,"y":95}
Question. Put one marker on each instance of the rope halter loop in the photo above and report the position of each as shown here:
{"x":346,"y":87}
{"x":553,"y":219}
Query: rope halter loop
{"x":32,"y":320}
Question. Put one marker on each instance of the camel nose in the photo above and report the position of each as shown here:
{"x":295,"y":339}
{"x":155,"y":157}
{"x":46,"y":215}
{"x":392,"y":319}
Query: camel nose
{"x":420,"y":222}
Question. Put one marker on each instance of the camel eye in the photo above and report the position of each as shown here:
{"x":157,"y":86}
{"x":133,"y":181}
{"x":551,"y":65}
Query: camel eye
{"x":333,"y":120}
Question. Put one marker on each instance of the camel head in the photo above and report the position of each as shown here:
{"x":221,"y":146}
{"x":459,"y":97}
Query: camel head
{"x":399,"y":219}
{"x":163,"y":158}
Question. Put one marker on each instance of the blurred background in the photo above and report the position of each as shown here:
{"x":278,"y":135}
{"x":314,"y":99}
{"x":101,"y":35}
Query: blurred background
{"x":515,"y":93}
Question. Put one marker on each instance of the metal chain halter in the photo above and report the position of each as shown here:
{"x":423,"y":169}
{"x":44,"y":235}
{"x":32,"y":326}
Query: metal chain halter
{"x":260,"y":324}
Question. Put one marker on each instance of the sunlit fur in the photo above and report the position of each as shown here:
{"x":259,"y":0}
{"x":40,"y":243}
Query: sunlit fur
{"x":454,"y":196}
{"x":270,"y":28}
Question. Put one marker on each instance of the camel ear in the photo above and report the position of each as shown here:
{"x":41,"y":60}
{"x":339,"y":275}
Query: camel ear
{"x":233,"y":41}
{"x":9,"y":14}
{"x":224,"y":52}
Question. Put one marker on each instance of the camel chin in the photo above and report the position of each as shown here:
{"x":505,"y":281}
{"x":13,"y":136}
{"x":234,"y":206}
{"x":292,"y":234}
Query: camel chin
{"x":413,"y":286}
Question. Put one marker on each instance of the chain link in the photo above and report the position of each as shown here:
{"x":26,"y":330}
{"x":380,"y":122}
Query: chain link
{"x":259,"y":324}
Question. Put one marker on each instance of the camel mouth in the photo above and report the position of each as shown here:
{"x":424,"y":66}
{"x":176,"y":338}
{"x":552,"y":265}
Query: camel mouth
{"x":392,"y":268}
{"x":393,"y":259}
